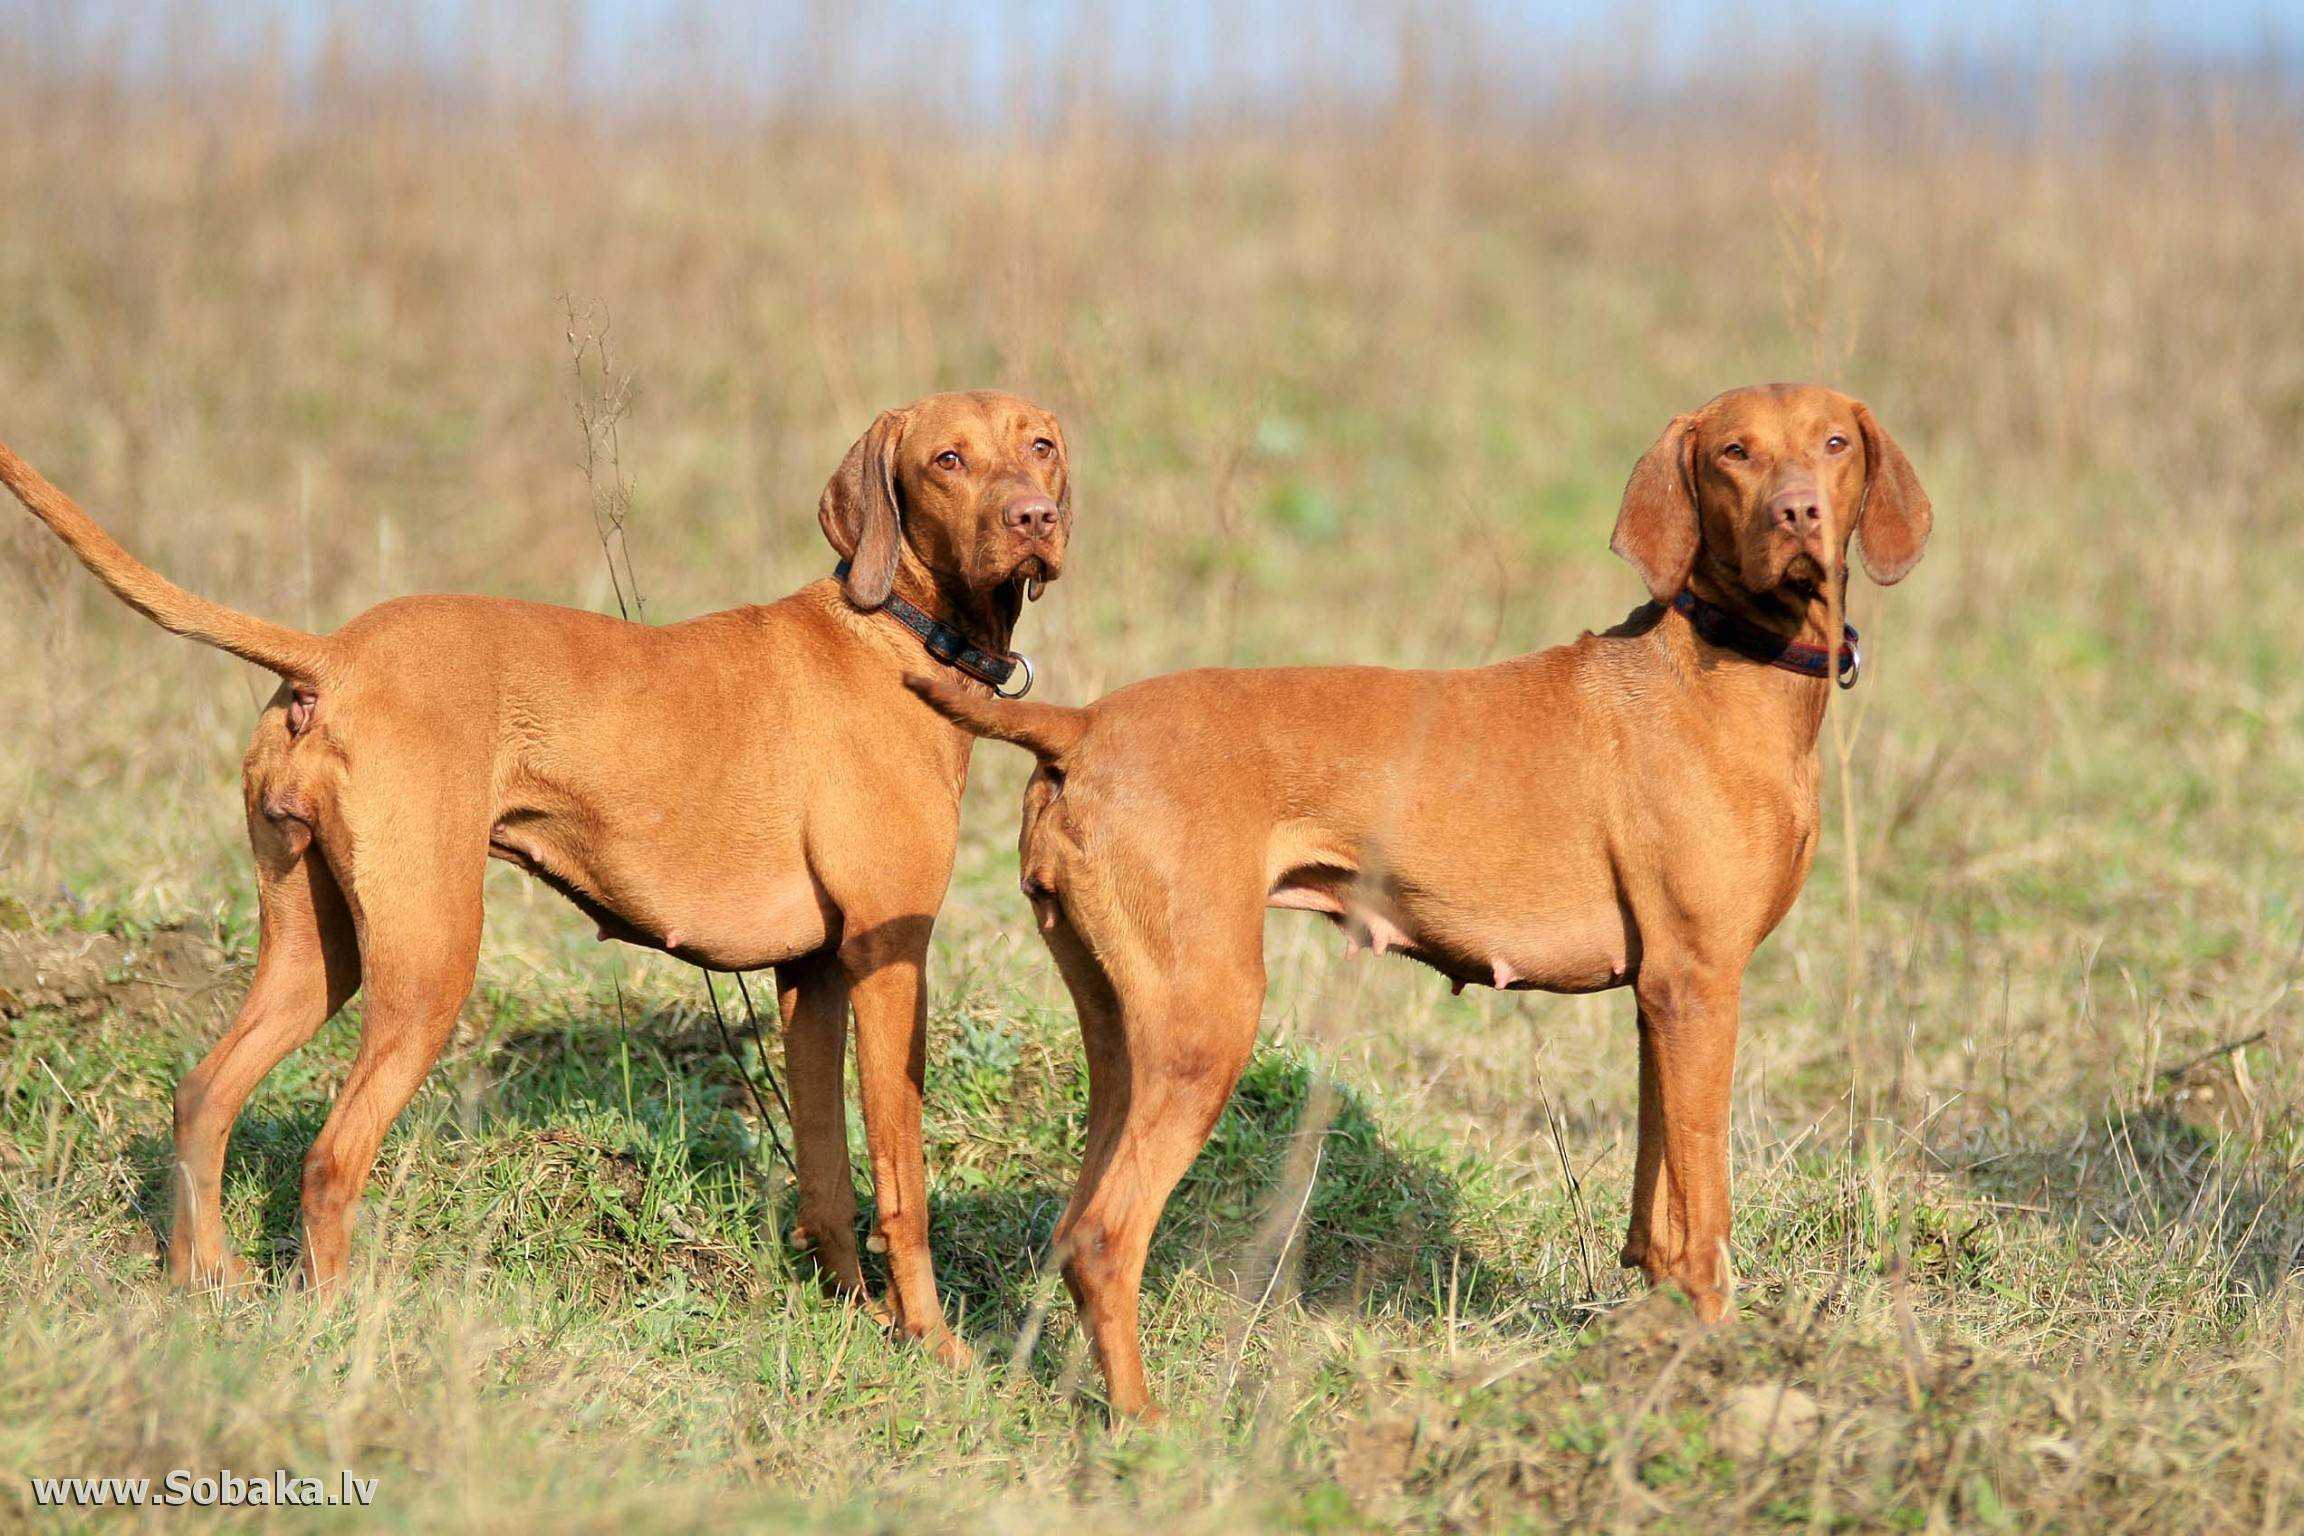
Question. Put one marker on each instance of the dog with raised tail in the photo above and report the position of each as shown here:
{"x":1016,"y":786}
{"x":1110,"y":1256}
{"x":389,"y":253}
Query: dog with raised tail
{"x":753,"y":788}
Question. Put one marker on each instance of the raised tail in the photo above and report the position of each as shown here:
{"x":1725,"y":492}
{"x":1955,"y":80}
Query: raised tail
{"x":1047,"y":731}
{"x":290,"y":652}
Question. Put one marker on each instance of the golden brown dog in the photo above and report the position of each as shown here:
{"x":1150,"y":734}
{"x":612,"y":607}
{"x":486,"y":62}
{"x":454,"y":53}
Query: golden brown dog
{"x":753,"y":788}
{"x":1636,"y":809}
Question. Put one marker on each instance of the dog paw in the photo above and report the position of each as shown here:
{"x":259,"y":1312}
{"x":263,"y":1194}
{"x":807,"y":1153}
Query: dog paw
{"x":949,"y":1349}
{"x":1711,"y":1304}
{"x":839,"y":1272}
{"x":227,"y":1272}
{"x":1124,"y":1414}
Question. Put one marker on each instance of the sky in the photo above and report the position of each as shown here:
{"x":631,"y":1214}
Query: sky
{"x":1179,"y":55}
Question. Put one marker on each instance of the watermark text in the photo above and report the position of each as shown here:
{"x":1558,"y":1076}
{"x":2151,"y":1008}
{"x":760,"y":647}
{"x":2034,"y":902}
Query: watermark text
{"x":184,"y":1489}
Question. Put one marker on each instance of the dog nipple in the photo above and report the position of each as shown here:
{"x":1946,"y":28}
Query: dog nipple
{"x":672,"y":939}
{"x":1384,"y":934}
{"x":603,"y":936}
{"x":1505,"y":975}
{"x":1455,"y":986}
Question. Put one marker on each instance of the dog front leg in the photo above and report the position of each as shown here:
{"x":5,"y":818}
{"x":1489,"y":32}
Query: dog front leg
{"x":887,"y":982}
{"x":1649,"y":1208}
{"x":1680,"y":1209}
{"x":812,"y":997}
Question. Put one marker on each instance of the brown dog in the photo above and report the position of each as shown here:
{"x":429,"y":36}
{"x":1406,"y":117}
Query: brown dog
{"x":753,"y":788}
{"x":1636,"y":809}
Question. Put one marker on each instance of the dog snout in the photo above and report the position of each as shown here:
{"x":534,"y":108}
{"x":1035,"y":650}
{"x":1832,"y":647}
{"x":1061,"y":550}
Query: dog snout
{"x":1032,"y":516}
{"x":1799,"y":511}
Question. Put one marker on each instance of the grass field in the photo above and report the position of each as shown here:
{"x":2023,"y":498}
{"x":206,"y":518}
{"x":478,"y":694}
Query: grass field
{"x":2017,"y":1128}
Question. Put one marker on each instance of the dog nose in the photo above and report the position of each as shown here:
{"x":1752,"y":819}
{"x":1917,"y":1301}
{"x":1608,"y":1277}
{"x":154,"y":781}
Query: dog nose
{"x":1034,"y":516}
{"x":1796,"y":512}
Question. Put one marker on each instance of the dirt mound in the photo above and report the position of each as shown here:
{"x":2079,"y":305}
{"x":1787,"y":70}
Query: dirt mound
{"x":89,"y":975}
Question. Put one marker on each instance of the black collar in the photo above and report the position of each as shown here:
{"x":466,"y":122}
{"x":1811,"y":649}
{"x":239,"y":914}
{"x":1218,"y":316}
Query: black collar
{"x":1734,"y":632}
{"x":951,"y":647}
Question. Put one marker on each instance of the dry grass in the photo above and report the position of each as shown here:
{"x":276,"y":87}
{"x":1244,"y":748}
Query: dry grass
{"x":1349,"y":386}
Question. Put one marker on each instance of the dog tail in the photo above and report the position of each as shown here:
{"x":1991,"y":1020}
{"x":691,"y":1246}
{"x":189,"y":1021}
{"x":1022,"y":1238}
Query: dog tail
{"x":1047,"y":731}
{"x":290,"y":652}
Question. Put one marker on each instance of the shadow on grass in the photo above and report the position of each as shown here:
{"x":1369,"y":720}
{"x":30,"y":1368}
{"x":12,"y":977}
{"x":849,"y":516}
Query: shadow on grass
{"x":1388,"y":1227}
{"x":1391,"y":1226}
{"x":267,"y":1150}
{"x":2170,"y":1177}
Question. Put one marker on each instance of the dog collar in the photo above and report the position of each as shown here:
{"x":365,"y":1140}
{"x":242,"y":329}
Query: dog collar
{"x":1733,"y":632}
{"x":953,"y":648}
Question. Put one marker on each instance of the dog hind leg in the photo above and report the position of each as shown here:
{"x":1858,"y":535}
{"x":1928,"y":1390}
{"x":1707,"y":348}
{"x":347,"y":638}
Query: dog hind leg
{"x":307,"y":966}
{"x":1165,"y":1051}
{"x":417,"y":902}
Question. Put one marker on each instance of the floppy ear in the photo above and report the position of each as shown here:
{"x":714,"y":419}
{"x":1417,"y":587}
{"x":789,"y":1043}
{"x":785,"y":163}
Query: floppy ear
{"x":859,"y":511}
{"x":1656,"y":527}
{"x":1892,"y":525}
{"x":1034,"y":586}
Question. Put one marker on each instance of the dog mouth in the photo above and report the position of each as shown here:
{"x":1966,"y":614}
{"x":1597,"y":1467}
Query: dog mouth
{"x":1804,"y":575}
{"x":1035,"y":571}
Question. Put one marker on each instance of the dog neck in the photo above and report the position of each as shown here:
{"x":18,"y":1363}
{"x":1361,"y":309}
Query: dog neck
{"x":987,"y":618}
{"x":964,"y":630}
{"x":1731,"y":667}
{"x":1799,"y":617}
{"x":1729,"y":630}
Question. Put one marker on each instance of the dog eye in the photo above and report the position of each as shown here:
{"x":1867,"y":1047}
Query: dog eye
{"x":947,"y":460}
{"x":1734,"y":451}
{"x":1835,"y":444}
{"x":1043,"y":447}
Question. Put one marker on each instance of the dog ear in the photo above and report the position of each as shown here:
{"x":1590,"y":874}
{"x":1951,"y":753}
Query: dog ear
{"x":1034,"y":586}
{"x":1892,"y":525}
{"x":860,"y":514}
{"x":1656,"y":526}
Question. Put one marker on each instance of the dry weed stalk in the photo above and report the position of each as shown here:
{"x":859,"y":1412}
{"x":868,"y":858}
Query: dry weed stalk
{"x":603,"y":399}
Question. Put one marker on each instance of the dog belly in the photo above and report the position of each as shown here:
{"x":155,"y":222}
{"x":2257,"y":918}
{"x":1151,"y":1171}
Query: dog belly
{"x":1581,"y":946}
{"x":746,"y":928}
{"x":1556,"y":952}
{"x":724,"y":920}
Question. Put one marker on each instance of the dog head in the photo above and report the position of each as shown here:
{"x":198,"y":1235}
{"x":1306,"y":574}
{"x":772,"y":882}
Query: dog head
{"x":972,"y":491}
{"x":1757,"y":494}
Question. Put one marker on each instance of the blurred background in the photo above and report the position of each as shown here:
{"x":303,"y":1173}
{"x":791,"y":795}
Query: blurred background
{"x":1358,"y":315}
